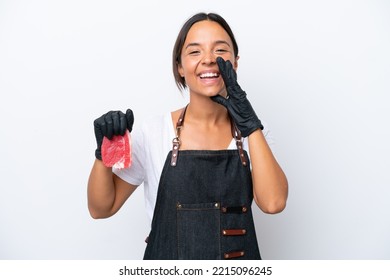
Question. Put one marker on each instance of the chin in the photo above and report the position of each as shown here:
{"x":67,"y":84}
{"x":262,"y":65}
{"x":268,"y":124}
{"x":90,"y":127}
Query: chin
{"x":208,"y":91}
{"x":213,"y":91}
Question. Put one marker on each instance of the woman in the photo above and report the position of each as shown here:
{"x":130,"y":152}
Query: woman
{"x":218,"y":162}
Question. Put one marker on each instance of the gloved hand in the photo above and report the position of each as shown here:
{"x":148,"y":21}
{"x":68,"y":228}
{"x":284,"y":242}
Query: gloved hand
{"x":110,"y":124}
{"x":236,"y":102}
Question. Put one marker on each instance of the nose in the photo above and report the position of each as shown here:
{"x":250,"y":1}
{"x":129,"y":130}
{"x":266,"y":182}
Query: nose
{"x":209,"y":58}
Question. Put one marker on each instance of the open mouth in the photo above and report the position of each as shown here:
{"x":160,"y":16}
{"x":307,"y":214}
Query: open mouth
{"x":209,"y":75}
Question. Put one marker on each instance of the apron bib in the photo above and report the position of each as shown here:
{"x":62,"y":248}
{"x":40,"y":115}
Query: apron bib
{"x":203,"y":207}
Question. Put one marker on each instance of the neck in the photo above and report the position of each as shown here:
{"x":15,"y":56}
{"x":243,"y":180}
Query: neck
{"x":206,"y":111}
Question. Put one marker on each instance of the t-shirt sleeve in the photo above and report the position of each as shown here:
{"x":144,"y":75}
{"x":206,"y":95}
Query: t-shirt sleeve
{"x":134,"y":174}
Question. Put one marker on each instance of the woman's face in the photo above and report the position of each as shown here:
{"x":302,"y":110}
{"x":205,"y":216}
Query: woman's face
{"x":205,"y":41}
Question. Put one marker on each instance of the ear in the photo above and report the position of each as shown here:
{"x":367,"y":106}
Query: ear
{"x":180,"y":69}
{"x":235,"y":64}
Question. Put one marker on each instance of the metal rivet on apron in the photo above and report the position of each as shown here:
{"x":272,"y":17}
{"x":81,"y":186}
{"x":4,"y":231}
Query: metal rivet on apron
{"x":216,"y":205}
{"x":244,"y":209}
{"x":178,"y":205}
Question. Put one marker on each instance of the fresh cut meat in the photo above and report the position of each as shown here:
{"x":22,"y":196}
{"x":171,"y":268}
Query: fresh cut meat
{"x":117,"y":151}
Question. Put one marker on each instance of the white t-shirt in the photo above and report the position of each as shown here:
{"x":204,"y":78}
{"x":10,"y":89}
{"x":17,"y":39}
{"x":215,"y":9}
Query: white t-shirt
{"x":150,"y":144}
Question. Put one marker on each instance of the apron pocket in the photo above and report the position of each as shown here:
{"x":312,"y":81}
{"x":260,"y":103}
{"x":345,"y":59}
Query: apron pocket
{"x":198,"y":231}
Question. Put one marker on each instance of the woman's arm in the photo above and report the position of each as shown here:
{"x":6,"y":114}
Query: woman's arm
{"x":269,"y":182}
{"x":106,"y":191}
{"x":270,"y":186}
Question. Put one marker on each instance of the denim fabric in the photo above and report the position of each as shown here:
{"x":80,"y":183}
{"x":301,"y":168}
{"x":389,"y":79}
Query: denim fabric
{"x":194,"y":222}
{"x":188,"y":219}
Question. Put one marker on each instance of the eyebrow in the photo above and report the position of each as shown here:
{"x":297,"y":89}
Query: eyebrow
{"x":216,"y":43}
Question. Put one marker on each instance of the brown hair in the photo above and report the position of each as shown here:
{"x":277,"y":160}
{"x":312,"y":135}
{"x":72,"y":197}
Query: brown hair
{"x":176,"y":55}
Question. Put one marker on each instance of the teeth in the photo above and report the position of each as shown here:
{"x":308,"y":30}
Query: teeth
{"x":208,"y":75}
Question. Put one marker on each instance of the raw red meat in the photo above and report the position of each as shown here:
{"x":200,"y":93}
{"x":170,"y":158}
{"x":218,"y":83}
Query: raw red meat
{"x":117,"y":151}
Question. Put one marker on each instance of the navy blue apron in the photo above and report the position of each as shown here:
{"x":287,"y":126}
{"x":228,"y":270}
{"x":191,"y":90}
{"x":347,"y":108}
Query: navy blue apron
{"x":203,"y":207}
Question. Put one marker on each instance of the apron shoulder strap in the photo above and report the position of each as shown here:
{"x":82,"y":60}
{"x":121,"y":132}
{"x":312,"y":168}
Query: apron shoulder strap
{"x":176,"y":140}
{"x":238,"y":137}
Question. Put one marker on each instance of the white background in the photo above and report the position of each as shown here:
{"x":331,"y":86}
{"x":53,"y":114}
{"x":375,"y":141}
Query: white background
{"x":316,"y":71}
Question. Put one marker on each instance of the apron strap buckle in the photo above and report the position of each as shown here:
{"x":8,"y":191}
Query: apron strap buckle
{"x":237,"y":136}
{"x":175,"y":150}
{"x":176,"y":140}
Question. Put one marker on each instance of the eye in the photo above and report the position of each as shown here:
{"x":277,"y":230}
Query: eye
{"x":221,"y":51}
{"x":194,"y":52}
